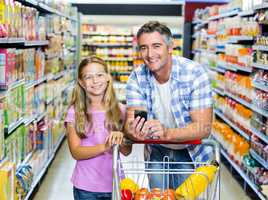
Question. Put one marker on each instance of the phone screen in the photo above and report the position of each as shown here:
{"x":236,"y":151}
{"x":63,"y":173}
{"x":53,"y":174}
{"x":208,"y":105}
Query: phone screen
{"x":140,"y":113}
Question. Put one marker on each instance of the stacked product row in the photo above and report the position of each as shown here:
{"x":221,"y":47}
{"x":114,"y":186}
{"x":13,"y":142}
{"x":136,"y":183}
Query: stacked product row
{"x":37,"y":60}
{"x":230,"y":41}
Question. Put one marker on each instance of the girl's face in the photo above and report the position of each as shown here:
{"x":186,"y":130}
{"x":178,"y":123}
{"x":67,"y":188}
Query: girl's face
{"x":94,"y":79}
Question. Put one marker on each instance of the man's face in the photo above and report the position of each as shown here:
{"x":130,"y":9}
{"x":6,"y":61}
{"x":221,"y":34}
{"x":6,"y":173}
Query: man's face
{"x":154,"y":51}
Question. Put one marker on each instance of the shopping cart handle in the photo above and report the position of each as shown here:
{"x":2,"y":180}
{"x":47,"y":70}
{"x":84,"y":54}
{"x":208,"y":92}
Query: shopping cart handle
{"x":155,"y":141}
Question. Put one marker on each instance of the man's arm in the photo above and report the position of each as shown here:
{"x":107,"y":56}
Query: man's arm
{"x":199,"y":128}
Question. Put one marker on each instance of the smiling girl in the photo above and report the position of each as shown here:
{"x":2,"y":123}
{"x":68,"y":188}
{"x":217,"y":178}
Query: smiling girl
{"x":94,"y":122}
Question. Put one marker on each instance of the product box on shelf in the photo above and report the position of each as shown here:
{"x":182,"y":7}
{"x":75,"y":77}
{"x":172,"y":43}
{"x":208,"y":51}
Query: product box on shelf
{"x":29,"y":102}
{"x":1,"y":130}
{"x":39,"y":99}
{"x":21,"y":144}
{"x":7,"y":181}
{"x":30,"y":138}
{"x":260,"y":147}
{"x":13,"y":147}
{"x":39,"y":62}
{"x":57,"y":131}
{"x":37,"y":162}
{"x":13,"y":105}
{"x":52,"y":65}
{"x":7,"y":68}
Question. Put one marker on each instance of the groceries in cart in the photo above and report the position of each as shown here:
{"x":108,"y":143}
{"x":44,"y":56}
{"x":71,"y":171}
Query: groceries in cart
{"x":191,"y":189}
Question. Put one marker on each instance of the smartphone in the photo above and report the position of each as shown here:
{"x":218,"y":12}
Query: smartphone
{"x":141,"y":114}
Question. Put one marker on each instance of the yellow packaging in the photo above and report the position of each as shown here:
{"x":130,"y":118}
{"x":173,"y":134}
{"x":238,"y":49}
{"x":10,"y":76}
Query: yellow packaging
{"x":196,"y":183}
{"x":2,"y":11}
{"x":7,"y":181}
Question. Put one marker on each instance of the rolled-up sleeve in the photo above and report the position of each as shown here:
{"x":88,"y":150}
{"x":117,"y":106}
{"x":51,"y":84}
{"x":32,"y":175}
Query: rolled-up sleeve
{"x":201,"y":96}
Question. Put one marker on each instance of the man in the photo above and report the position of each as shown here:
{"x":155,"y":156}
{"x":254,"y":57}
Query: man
{"x":176,"y":94}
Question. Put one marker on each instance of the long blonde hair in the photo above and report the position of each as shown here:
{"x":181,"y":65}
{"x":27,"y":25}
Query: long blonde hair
{"x":82,"y":103}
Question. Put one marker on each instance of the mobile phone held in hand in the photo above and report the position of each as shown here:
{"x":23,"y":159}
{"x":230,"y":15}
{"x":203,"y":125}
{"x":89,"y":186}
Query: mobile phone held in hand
{"x":141,"y":114}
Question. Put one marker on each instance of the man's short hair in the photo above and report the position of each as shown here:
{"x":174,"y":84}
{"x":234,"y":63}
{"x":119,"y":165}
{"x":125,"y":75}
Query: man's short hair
{"x":155,"y":26}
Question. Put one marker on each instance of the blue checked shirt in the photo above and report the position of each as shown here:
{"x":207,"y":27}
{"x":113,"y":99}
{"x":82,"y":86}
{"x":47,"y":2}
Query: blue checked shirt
{"x":190,"y":90}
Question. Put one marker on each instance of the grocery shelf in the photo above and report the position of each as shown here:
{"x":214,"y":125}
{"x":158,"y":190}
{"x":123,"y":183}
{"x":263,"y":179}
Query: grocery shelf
{"x":29,"y":120}
{"x":109,"y":45}
{"x":15,"y":40}
{"x":12,"y":85}
{"x":258,"y":158}
{"x":105,"y":34}
{"x":26,"y":159}
{"x":233,"y":67}
{"x":58,"y":143}
{"x":203,"y":23}
{"x":31,"y":3}
{"x":260,"y":47}
{"x":228,"y":14}
{"x":260,"y":66}
{"x":39,"y":177}
{"x":118,"y":59}
{"x":8,"y":130}
{"x":260,"y":86}
{"x":246,"y":13}
{"x":59,"y":75}
{"x":251,"y":106}
{"x":227,"y":67}
{"x":35,"y":83}
{"x":227,"y":121}
{"x":259,"y":134}
{"x":244,"y":69}
{"x":121,"y":72}
{"x":40,"y":116}
{"x":41,"y":7}
{"x":3,"y":40}
{"x":22,"y":42}
{"x":44,"y":169}
{"x":235,"y":39}
{"x":261,"y":6}
{"x":197,"y":21}
{"x":36,"y":43}
{"x":243,"y":175}
{"x":217,"y":69}
{"x":219,"y":91}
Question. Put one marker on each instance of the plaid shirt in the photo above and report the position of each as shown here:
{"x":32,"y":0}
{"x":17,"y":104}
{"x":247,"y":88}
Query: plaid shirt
{"x":190,"y":90}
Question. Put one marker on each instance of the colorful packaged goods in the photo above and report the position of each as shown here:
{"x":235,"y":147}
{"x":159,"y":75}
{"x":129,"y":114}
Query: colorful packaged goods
{"x":7,"y":181}
{"x":196,"y":183}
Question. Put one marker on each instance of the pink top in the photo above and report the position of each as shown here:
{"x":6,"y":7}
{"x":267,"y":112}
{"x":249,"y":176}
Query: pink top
{"x":94,"y":174}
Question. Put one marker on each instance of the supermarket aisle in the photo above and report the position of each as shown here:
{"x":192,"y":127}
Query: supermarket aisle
{"x":56,"y":185}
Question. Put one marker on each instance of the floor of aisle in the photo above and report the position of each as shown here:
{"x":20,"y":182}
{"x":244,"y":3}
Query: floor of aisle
{"x":56,"y":184}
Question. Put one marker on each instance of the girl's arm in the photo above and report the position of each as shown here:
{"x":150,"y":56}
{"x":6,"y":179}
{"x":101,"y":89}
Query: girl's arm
{"x":83,"y":152}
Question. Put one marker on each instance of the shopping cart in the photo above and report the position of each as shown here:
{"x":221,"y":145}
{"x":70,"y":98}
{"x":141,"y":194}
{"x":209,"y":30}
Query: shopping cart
{"x":200,"y":184}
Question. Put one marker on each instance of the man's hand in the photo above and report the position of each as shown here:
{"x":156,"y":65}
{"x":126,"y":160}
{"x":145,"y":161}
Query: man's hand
{"x":136,"y":129}
{"x":155,"y":130}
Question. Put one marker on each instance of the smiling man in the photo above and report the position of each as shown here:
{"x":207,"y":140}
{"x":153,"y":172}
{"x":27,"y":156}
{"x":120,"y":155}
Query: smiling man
{"x":176,"y":94}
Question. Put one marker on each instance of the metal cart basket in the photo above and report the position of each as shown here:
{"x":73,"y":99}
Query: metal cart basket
{"x":201,"y":183}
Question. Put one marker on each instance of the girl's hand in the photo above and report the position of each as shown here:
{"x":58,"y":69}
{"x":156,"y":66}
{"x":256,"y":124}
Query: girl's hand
{"x":115,"y":137}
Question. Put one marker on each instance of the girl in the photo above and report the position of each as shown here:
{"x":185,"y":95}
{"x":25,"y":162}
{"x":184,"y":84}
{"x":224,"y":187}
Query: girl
{"x":93,"y":122}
